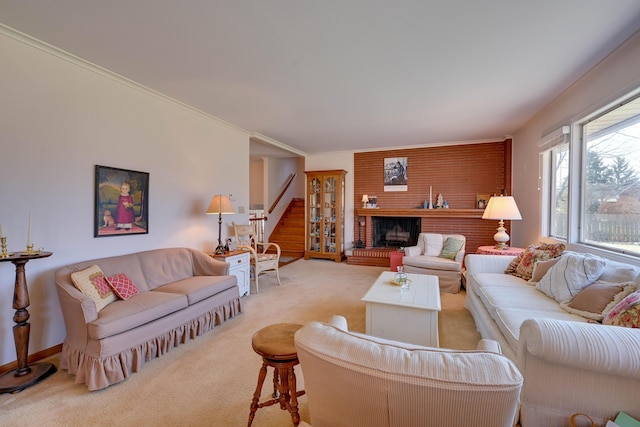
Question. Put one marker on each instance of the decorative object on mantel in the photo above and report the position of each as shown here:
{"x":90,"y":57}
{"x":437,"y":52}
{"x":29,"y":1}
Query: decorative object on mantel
{"x":220,"y":205}
{"x":482,"y":200}
{"x":439,"y":201}
{"x":501,"y":208}
{"x":372,"y":202}
{"x":365,"y":200}
{"x":430,"y":198}
{"x":445,"y":205}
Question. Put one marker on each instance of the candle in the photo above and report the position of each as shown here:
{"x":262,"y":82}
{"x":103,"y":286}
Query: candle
{"x":29,"y":231}
{"x":1,"y":231}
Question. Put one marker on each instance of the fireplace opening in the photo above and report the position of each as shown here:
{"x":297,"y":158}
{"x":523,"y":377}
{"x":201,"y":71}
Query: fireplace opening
{"x":390,"y":232}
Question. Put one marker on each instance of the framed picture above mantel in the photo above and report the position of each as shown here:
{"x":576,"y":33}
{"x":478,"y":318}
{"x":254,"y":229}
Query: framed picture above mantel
{"x":121,"y":202}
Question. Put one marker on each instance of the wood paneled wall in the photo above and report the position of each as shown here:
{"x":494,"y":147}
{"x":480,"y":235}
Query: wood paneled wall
{"x":459,"y":172}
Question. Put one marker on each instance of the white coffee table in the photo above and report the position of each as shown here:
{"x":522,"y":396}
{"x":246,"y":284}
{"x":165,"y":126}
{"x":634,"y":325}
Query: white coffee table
{"x":410,"y":316}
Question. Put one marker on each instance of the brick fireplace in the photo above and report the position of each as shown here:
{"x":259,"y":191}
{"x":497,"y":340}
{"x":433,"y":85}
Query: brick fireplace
{"x":458,"y":172}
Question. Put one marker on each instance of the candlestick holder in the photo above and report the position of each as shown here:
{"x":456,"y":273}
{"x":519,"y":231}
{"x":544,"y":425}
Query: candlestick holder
{"x":30,"y":250}
{"x":4,"y":253}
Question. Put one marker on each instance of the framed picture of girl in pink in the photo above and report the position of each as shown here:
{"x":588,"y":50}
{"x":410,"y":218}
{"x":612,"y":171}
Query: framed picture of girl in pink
{"x":121,"y":202}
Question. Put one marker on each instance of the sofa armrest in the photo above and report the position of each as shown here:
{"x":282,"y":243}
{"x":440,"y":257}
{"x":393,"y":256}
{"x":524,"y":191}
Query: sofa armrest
{"x":204,"y":265}
{"x":490,"y":346}
{"x":593,"y":347}
{"x":577,"y":367}
{"x":487,"y":263}
{"x":412,"y":251}
{"x":339,"y":322}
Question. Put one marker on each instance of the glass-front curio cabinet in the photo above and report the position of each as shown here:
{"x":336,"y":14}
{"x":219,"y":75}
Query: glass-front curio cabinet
{"x":325,"y":215}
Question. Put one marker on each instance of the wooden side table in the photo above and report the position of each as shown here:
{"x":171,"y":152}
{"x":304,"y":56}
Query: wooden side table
{"x":240,"y":264}
{"x":491,"y":250}
{"x":24,"y":375}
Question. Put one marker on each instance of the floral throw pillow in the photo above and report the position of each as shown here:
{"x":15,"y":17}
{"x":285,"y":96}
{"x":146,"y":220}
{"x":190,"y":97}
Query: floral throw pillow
{"x":626,"y":312}
{"x":542,"y":252}
{"x":511,"y":268}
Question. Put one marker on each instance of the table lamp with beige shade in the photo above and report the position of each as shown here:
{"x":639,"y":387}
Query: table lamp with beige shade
{"x":501,"y":208}
{"x":220,"y":205}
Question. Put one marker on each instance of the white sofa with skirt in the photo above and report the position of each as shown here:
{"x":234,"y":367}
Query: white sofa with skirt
{"x":570,"y":363}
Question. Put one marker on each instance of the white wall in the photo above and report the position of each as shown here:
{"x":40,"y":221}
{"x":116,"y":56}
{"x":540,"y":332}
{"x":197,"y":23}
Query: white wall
{"x":334,"y":161}
{"x":616,"y":75}
{"x":276,"y":172}
{"x":58,"y":119}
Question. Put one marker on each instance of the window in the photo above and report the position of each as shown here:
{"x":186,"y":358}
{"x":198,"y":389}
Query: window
{"x":555,"y":164}
{"x":591,"y":180}
{"x":610,"y":196}
{"x":559,"y":192}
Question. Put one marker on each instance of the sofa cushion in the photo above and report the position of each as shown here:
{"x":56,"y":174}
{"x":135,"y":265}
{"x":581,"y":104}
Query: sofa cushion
{"x":198,"y":288}
{"x":122,"y":286}
{"x":594,"y":301}
{"x":121,"y":315}
{"x":509,"y":321}
{"x":432,"y":262}
{"x":570,"y":275}
{"x":494,"y":297}
{"x":162,"y":266}
{"x":451,"y":248}
{"x":626,"y":312}
{"x":618,"y":272}
{"x":91,"y":282}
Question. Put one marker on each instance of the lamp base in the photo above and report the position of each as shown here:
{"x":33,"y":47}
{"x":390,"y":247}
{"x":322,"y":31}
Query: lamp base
{"x":221,"y":250}
{"x":501,"y":237}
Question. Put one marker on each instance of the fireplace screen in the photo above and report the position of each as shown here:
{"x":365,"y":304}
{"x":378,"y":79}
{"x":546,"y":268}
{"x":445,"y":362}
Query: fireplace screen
{"x":395,"y":232}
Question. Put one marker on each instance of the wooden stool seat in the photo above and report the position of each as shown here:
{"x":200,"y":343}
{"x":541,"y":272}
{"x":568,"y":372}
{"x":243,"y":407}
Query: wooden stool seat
{"x":276,"y":346}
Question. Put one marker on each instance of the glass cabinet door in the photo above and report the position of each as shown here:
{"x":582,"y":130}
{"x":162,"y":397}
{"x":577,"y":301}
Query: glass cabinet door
{"x":315,"y":215}
{"x":329,"y":235}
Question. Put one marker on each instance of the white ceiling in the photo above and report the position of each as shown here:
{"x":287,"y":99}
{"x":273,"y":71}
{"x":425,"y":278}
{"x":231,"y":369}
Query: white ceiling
{"x":331,"y":75}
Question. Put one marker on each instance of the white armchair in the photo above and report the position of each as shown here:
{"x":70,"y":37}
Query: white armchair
{"x":354,"y":379}
{"x":424,"y":258}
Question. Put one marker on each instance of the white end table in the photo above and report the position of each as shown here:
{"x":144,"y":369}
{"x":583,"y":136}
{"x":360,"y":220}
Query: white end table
{"x":410,"y":316}
{"x":240,"y":265}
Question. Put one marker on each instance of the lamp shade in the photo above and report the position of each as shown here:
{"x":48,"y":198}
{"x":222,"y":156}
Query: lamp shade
{"x":501,"y":207}
{"x":365,"y":198}
{"x":220,"y":205}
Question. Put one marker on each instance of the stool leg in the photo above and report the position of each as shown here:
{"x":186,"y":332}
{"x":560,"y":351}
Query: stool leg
{"x":256,"y":395}
{"x":275,"y":382}
{"x":284,"y":397}
{"x":295,"y":415}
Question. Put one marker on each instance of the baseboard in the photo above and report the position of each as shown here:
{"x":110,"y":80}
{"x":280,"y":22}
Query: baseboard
{"x":32,"y":358}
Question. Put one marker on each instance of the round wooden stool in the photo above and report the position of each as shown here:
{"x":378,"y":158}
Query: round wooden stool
{"x":275,"y":344}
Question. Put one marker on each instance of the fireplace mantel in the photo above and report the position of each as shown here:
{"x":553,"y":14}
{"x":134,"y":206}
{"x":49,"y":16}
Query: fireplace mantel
{"x":423,"y":213}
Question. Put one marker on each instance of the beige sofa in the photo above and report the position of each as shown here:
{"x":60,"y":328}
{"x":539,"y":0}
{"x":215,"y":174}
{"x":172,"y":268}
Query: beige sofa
{"x":183,"y":293}
{"x":423,"y":259}
{"x":569,"y":365}
{"x":353,"y":379}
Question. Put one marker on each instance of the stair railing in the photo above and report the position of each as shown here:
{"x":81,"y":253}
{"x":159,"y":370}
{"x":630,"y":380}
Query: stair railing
{"x":284,"y":190}
{"x":258,"y":225}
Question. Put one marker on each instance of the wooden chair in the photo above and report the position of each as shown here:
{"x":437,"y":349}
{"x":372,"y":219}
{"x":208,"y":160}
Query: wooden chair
{"x":260,"y":260}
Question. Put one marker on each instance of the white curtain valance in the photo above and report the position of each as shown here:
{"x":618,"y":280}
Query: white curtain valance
{"x":555,"y":138}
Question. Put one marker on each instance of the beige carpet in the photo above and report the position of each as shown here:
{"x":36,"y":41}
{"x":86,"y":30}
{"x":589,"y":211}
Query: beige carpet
{"x":210,"y":380}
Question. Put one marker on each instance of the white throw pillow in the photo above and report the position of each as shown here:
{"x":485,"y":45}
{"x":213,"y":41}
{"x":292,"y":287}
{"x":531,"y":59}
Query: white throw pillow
{"x":570,"y":275}
{"x":433,"y":244}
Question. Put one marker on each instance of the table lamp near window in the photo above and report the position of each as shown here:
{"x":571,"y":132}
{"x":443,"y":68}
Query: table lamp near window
{"x":501,"y":208}
{"x":365,"y":200}
{"x":220,"y":205}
